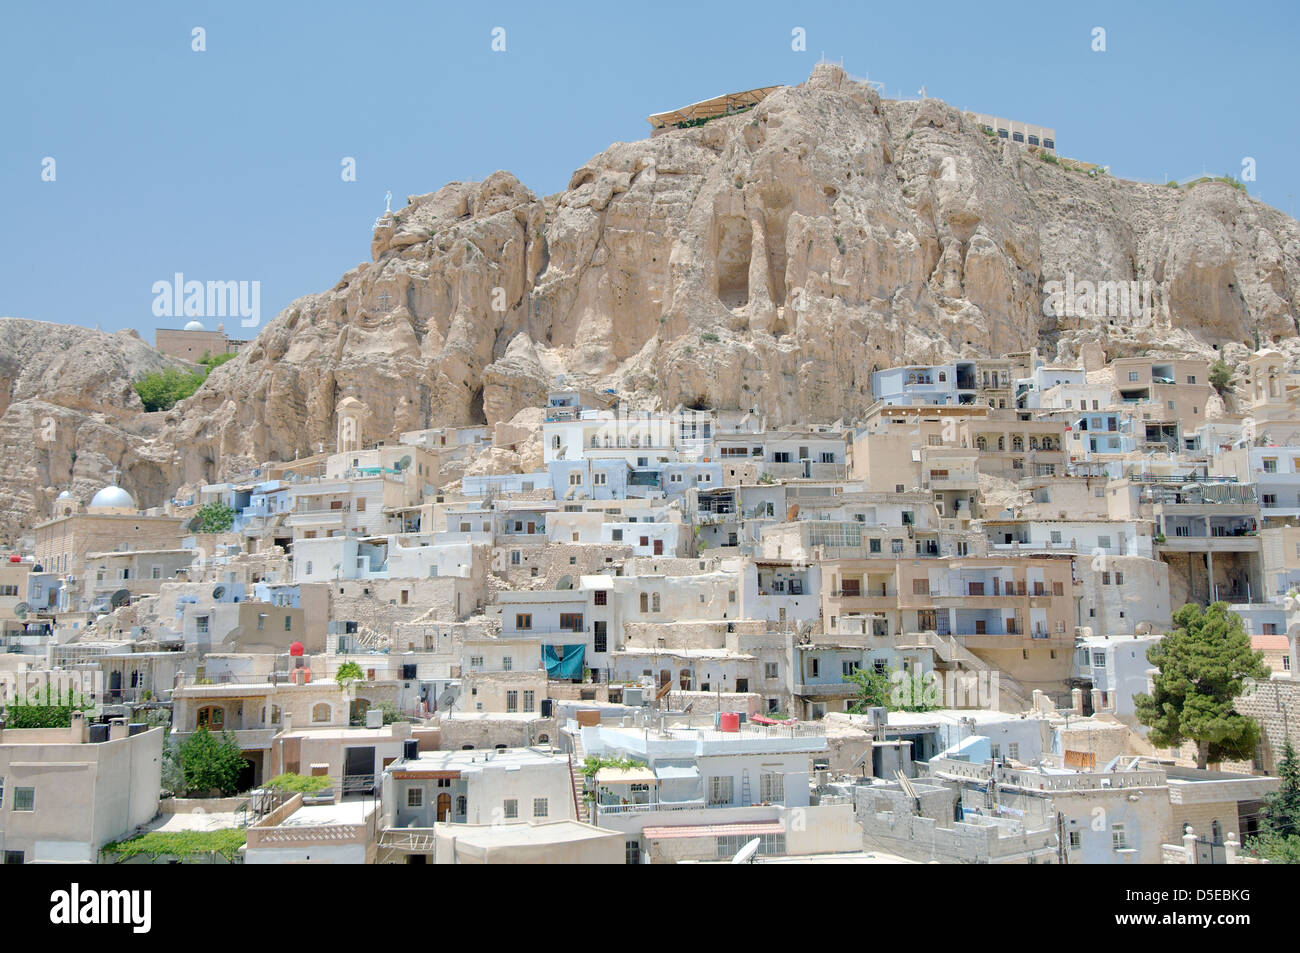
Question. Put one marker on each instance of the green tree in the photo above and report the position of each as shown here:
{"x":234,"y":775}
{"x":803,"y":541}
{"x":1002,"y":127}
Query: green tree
{"x":214,"y":517}
{"x":1220,"y":375}
{"x":348,"y":672}
{"x":873,"y":689}
{"x":1203,"y":666}
{"x":211,"y":764}
{"x":160,"y":390}
{"x":1278,"y":839}
{"x":1281,"y":813}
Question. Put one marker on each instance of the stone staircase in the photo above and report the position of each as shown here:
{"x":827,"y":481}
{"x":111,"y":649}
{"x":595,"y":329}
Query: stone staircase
{"x":576,"y":776}
{"x":1012,"y":696}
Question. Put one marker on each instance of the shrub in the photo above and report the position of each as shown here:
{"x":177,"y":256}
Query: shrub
{"x":299,"y":783}
{"x":214,"y":517}
{"x":211,"y":764}
{"x":161,"y":390}
{"x":1220,"y":375}
{"x":179,"y":844}
{"x":348,"y":672}
{"x":708,"y":337}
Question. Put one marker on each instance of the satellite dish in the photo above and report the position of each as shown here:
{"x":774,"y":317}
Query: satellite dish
{"x":218,"y":592}
{"x":119,"y":598}
{"x":403,"y":463}
{"x":20,"y":610}
{"x":746,"y":854}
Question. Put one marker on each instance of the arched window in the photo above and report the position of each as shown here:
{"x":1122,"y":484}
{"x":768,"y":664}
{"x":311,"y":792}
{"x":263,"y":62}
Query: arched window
{"x":466,"y":747}
{"x":212,"y":717}
{"x":684,"y":679}
{"x":1017,"y":443}
{"x":321,"y":712}
{"x":980,"y":443}
{"x":543,"y":739}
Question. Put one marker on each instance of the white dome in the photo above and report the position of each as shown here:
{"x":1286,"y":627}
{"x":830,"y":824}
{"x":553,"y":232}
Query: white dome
{"x":65,"y":495}
{"x":195,"y":326}
{"x":112,"y":497}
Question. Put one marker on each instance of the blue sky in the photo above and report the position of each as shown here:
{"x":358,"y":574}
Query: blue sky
{"x":225,"y":164}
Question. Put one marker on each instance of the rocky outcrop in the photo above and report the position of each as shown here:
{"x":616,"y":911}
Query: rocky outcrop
{"x":768,"y":260}
{"x":68,"y":414}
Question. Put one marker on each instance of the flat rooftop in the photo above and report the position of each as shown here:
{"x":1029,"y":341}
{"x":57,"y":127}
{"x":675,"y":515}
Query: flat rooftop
{"x":505,"y":835}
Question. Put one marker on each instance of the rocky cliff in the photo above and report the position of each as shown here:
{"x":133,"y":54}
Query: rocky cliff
{"x":767,"y":260}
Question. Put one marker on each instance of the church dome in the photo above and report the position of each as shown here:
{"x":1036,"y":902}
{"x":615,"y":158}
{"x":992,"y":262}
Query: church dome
{"x":65,"y":495}
{"x":112,"y":497}
{"x":195,"y":326}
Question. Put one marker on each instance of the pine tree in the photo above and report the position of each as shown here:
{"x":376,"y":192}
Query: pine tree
{"x":1203,"y":666}
{"x":1281,"y":814}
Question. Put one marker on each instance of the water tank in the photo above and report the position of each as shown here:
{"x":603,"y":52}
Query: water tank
{"x":633,"y":697}
{"x":374,"y":718}
{"x":411,"y":749}
{"x":546,"y":707}
{"x":135,"y":728}
{"x":729,"y":721}
{"x":98,"y":734}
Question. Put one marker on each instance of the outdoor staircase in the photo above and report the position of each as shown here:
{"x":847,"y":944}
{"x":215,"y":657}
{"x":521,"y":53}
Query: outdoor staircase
{"x":1012,"y":696}
{"x":576,"y":759}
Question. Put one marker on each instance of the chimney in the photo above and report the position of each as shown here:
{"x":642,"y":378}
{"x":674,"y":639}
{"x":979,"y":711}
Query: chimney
{"x":117,"y":729}
{"x":286,"y":723}
{"x":77,"y":733}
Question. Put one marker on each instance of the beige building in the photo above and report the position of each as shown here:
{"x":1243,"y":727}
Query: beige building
{"x":110,"y":522}
{"x":66,"y":796}
{"x":193,"y":342}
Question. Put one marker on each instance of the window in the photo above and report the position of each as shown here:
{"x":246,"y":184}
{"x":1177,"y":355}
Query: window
{"x":1074,"y":839}
{"x":599,"y":639}
{"x":211,"y":717}
{"x":572,"y":621}
{"x":507,"y":663}
{"x":25,"y":799}
{"x":523,"y":620}
{"x":512,"y":701}
{"x":1132,"y":375}
{"x":288,"y":623}
{"x":1118,"y":837}
{"x":320,"y":712}
{"x":1056,"y":537}
{"x":1105,"y":579}
{"x":600,"y":597}
{"x":1119,"y":578}
{"x":539,"y":807}
{"x":415,"y":797}
{"x":771,"y":787}
{"x":1013,"y":751}
{"x":598,"y":479}
{"x":920,"y":587}
{"x":201,"y":625}
{"x":510,"y":807}
{"x":13,"y":857}
{"x":720,"y":789}
{"x":530,"y":701}
{"x":516,"y":557}
{"x":771,"y":670}
{"x":1098,"y":659}
{"x":874,"y":545}
{"x":575,"y":479}
{"x":654,"y":602}
{"x":1270,"y":464}
{"x":848,"y":668}
{"x":815,"y":667}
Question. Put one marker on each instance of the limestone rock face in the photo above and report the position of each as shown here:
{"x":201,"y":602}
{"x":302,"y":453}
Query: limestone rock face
{"x":68,"y":414}
{"x":769,"y":260}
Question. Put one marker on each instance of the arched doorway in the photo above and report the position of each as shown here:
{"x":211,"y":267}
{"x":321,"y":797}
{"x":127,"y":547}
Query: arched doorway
{"x":444,"y":806}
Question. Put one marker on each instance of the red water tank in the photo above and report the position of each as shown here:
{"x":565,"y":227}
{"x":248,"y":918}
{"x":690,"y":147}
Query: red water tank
{"x":729,"y":721}
{"x":295,"y":649}
{"x":306,"y":674}
{"x":15,"y":558}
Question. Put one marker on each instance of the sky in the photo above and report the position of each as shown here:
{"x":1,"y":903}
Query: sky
{"x":227,"y":163}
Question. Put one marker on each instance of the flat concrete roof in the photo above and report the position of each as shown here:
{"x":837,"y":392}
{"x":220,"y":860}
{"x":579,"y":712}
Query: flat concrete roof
{"x":504,"y":835}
